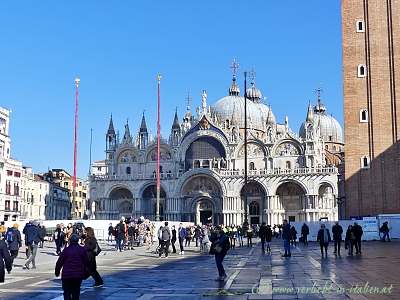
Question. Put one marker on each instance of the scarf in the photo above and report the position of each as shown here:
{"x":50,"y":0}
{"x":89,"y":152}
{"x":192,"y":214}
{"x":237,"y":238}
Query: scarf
{"x":326,"y":240}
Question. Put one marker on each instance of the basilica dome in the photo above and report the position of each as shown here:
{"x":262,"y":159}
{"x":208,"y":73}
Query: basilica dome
{"x":330,"y":129}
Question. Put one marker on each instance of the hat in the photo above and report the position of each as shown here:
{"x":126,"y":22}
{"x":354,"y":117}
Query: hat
{"x":34,"y":223}
{"x":74,"y":238}
{"x":16,"y":225}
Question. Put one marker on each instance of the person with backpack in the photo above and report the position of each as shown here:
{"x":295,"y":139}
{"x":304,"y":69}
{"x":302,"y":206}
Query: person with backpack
{"x":14,"y":241}
{"x":120,"y":235}
{"x":165,"y":240}
{"x":220,"y":246}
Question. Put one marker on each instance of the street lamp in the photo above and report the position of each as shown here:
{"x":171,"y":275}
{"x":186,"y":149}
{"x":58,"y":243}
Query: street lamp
{"x":246,"y":222}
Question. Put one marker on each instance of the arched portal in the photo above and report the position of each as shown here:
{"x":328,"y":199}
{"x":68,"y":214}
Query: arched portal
{"x":204,"y":211}
{"x":291,"y":196}
{"x":149,"y":201}
{"x":255,"y":199}
{"x":124,"y":200}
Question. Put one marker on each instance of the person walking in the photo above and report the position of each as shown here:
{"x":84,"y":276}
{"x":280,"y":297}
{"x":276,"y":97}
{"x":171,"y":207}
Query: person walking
{"x":358,"y":232}
{"x":3,"y":230}
{"x":305,"y":231}
{"x":43,"y":233}
{"x":188,"y":236}
{"x":73,"y":261}
{"x":120,"y":235}
{"x":286,"y":238}
{"x":58,"y":238}
{"x":385,"y":230}
{"x":32,"y":240}
{"x":349,"y":239}
{"x":220,"y":247}
{"x":165,"y":240}
{"x":337,"y":232}
{"x":181,"y":237}
{"x":262,"y":234}
{"x":90,"y":246}
{"x":241,"y":232}
{"x":323,"y":237}
{"x":173,"y":238}
{"x":268,"y":237}
{"x":110,"y":234}
{"x":14,"y":242}
{"x":5,"y":260}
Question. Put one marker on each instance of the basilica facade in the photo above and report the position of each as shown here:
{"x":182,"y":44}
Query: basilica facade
{"x":202,"y":166}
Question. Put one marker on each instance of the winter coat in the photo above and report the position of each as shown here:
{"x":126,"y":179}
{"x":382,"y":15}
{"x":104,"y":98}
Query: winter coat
{"x":90,"y":245}
{"x":4,"y":258}
{"x":120,"y":230}
{"x":262,"y":232}
{"x":182,"y":232}
{"x":286,"y":232}
{"x":320,"y":237}
{"x":72,"y":260}
{"x":305,"y":230}
{"x":173,"y":239}
{"x":357,"y":231}
{"x":268,"y":234}
{"x":33,"y":236}
{"x":17,"y":243}
{"x":337,"y":231}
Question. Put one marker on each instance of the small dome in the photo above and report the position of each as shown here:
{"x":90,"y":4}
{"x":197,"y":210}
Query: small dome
{"x":319,"y":108}
{"x":253,"y":93}
{"x":234,"y":89}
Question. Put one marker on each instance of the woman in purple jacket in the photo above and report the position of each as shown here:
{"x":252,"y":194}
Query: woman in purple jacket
{"x":72,"y":260}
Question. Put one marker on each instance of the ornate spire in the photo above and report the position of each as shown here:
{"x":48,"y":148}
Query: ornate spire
{"x":270,"y":117}
{"x":111,"y":127}
{"x":127,"y":136}
{"x":143,"y":127}
{"x":310,"y":115}
{"x":176,"y":125}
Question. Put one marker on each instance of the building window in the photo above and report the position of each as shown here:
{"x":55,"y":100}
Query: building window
{"x":326,"y":147}
{"x":99,"y":169}
{"x":252,"y":166}
{"x":363,"y":116}
{"x":7,"y":205}
{"x":9,"y":172}
{"x":128,"y":170}
{"x":254,"y":208}
{"x":365,"y":162}
{"x":360,"y":26}
{"x":362,"y":71}
{"x":334,"y":148}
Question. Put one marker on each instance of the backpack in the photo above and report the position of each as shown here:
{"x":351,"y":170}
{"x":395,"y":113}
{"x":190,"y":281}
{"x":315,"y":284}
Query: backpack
{"x":10,"y":236}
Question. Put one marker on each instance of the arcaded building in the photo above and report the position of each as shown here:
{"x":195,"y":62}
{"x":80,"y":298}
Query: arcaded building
{"x":371,"y":59}
{"x":290,"y":176}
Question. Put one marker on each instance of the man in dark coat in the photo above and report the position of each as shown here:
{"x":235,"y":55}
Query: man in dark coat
{"x":358,"y":232}
{"x":286,"y":238}
{"x":385,"y":230}
{"x":4,"y":258}
{"x":32,"y":239}
{"x":16,"y":243}
{"x":72,"y":260}
{"x":181,"y":237}
{"x":337,"y":232}
{"x":262,"y":233}
{"x":305,"y":231}
{"x":120,"y":235}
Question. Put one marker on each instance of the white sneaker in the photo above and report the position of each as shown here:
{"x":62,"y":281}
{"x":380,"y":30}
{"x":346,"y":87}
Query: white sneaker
{"x":183,"y":252}
{"x":180,"y":252}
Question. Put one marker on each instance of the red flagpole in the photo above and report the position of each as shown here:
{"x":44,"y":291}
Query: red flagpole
{"x":73,"y":212}
{"x":158,"y":154}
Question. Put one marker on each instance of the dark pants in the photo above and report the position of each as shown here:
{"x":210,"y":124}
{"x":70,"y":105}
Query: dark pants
{"x":164,"y":248}
{"x":181,"y":244}
{"x":305,"y":239}
{"x":13,"y":254}
{"x":262,"y":243}
{"x":95,"y":274}
{"x":322,"y":246}
{"x":59,"y":243}
{"x":71,"y":288}
{"x":337,"y":244}
{"x":219,"y":257}
{"x":249,"y":241}
{"x":173,"y":245}
{"x":357,"y":243}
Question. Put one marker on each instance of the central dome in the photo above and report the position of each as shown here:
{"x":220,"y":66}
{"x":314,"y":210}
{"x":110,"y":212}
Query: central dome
{"x":225,"y":107}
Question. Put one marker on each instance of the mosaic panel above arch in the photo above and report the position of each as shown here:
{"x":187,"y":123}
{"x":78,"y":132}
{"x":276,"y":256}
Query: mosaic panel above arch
{"x":253,"y":150}
{"x":253,"y":189}
{"x":287,"y":149}
{"x":165,"y":154}
{"x":127,"y":156}
{"x":201,"y":185}
{"x":289,"y":189}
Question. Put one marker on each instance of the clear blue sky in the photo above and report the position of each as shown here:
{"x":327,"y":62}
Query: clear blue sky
{"x":117,"y":49}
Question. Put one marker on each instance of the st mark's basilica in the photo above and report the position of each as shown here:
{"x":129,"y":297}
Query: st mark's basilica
{"x":290,"y":176}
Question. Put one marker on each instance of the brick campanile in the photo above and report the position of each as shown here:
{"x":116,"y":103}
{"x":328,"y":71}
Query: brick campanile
{"x":371,"y":82}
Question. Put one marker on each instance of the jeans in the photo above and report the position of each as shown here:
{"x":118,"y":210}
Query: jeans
{"x":110,"y":238}
{"x":350,"y":246}
{"x":386,"y":234}
{"x":219,"y":257}
{"x":71,"y":288}
{"x":286,"y":246}
{"x":240,"y":239}
{"x":58,"y":245}
{"x":181,"y":244}
{"x":31,"y":258}
{"x":119,"y":244}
